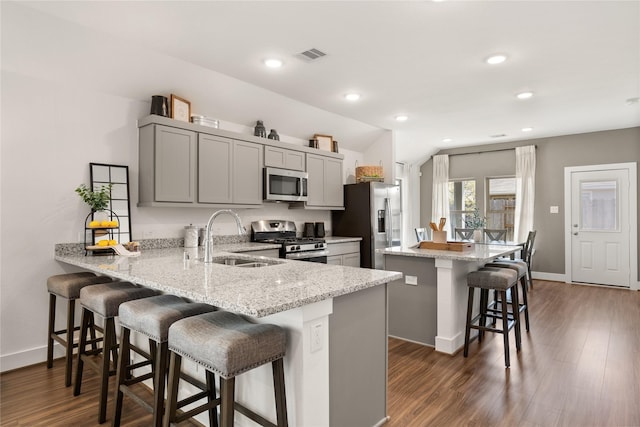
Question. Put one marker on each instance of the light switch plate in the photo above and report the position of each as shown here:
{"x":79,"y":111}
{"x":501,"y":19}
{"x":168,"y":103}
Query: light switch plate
{"x":553,"y":209}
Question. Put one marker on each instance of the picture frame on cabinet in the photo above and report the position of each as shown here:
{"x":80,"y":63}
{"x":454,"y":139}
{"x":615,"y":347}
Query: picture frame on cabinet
{"x":180,"y":108}
{"x":325,"y":142}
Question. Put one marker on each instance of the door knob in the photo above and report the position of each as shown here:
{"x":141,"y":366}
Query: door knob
{"x":575,"y":234}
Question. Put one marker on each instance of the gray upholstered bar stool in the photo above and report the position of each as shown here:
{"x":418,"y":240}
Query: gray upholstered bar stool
{"x":151,"y":317}
{"x":104,"y":301}
{"x":66,"y":286}
{"x":228,"y":345}
{"x":521,"y":268}
{"x":501,"y":280}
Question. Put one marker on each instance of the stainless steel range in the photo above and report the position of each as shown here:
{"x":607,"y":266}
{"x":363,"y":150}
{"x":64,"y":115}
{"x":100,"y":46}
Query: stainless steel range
{"x":291,"y":247}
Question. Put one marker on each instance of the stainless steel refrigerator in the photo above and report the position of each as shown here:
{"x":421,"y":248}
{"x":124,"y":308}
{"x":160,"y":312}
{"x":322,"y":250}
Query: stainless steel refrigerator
{"x":373,"y":211}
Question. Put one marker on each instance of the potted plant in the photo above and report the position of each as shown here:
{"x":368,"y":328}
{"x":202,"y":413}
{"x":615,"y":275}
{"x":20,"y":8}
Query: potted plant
{"x":97,"y":200}
{"x":476,"y":222}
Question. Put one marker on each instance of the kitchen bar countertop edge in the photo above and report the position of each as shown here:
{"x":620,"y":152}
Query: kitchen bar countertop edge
{"x":255,"y":292}
{"x":481,"y":253}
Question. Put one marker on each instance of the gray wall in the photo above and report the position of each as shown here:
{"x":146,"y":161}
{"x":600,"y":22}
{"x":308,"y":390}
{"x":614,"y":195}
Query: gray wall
{"x":552,"y":156}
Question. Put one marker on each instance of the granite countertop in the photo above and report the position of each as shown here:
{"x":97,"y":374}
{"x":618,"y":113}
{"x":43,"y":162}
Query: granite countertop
{"x":339,"y":239}
{"x":254,"y":292}
{"x":481,"y":253}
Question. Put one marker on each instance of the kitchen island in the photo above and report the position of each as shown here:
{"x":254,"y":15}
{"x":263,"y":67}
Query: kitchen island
{"x":335,"y":318}
{"x":433,"y":310}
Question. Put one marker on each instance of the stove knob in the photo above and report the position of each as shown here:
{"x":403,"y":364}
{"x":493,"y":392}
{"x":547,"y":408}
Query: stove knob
{"x":318,"y":245}
{"x":293,"y":248}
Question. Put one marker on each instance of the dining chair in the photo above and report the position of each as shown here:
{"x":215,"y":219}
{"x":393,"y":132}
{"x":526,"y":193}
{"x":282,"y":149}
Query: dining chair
{"x":496,"y":234}
{"x":528,"y":252}
{"x":421,"y":234}
{"x":464,"y":233}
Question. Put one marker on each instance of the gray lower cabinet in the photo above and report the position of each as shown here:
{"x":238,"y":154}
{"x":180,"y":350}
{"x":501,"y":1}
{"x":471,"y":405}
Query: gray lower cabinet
{"x":325,"y":185}
{"x":283,"y":158}
{"x":229,"y":171}
{"x":167,"y":158}
{"x":346,"y":254}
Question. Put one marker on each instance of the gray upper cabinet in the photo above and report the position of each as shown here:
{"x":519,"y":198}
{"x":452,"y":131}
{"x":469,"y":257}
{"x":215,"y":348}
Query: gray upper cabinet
{"x":325,"y":182}
{"x":283,"y":158}
{"x":167,"y":165}
{"x":184,"y":164}
{"x":214,"y":169}
{"x":248,"y":163}
{"x":229,"y":171}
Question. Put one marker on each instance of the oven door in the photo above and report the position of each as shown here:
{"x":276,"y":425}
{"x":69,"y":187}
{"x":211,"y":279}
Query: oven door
{"x":310,"y":256}
{"x":285,"y":185}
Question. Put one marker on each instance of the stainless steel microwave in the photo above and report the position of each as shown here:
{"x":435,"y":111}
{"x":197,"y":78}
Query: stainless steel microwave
{"x":285,"y":185}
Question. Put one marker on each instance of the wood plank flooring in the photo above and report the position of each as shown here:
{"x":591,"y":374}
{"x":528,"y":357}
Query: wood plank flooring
{"x":579,"y":366}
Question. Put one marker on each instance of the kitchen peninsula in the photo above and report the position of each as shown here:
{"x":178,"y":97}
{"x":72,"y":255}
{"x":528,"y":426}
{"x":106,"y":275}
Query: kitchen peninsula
{"x":433,"y":311}
{"x":338,"y":379}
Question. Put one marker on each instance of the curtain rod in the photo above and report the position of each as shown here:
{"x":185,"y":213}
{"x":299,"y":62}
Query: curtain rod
{"x":486,"y":151}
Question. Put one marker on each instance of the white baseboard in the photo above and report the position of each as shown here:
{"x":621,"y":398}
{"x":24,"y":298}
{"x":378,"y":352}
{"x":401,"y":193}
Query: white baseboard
{"x":554,"y":277}
{"x":9,"y":362}
{"x":382,"y":421}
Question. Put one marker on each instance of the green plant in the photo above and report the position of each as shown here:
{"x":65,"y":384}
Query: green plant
{"x":475,"y":221}
{"x":98,"y":200}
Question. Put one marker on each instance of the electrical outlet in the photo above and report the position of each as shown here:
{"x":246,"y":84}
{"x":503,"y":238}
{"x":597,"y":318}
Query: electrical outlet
{"x":316,"y":337}
{"x":553,"y":209}
{"x":411,"y":280}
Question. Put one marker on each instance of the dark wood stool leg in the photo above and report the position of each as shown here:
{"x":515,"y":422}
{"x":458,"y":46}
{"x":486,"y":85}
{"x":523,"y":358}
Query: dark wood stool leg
{"x":505,"y":326}
{"x":515,"y":307}
{"x":86,"y":320}
{"x":280,"y":395}
{"x":71,"y":320}
{"x":525,"y":301}
{"x":122,"y":368}
{"x":160,"y":361}
{"x":107,"y":347}
{"x":211,"y":396}
{"x":467,"y":330}
{"x":50,"y":329}
{"x":484,"y":300}
{"x":171,"y":406}
{"x":227,"y":396}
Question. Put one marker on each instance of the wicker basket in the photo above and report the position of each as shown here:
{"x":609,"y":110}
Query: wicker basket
{"x":369,"y":173}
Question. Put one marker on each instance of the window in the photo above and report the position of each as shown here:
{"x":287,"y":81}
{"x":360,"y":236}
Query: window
{"x":501,"y":204}
{"x":462,"y":202}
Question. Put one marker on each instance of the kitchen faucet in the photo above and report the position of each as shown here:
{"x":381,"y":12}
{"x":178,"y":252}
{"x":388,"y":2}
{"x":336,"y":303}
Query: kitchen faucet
{"x":208,"y":243}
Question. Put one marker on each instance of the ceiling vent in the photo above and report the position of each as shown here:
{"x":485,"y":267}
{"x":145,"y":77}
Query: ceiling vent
{"x":311,"y":54}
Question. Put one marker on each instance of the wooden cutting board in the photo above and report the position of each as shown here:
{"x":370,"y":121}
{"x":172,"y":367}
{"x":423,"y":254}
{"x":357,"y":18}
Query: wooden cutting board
{"x":449,"y":246}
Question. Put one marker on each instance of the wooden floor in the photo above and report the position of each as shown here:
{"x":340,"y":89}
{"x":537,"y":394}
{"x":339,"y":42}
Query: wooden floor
{"x":579,"y":366}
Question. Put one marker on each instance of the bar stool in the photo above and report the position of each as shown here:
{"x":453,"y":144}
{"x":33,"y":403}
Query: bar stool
{"x":103,"y":300}
{"x":228,"y":345}
{"x":521,"y":268}
{"x":66,"y":286}
{"x":501,"y":280}
{"x":151,"y":317}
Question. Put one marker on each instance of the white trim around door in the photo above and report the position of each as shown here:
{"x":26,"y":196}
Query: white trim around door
{"x":632,"y":203}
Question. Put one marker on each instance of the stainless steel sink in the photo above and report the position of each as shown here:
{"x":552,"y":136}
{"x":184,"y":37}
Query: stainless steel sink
{"x":244,"y":262}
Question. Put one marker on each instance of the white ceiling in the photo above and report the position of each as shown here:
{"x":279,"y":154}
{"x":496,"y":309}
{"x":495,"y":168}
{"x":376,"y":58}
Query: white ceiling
{"x":420,"y":58}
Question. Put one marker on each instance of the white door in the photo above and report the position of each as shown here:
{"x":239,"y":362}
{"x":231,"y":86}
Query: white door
{"x":600,"y":227}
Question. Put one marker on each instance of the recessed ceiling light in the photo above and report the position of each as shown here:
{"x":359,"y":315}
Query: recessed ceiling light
{"x":352,"y":96}
{"x":402,"y":118}
{"x":524,"y":95}
{"x":497,"y":58}
{"x":527,"y":129}
{"x":447,"y":140}
{"x":273,"y":63}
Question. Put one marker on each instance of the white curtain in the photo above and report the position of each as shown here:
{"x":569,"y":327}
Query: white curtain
{"x":440,"y":196}
{"x":409,"y":174}
{"x":525,"y":191}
